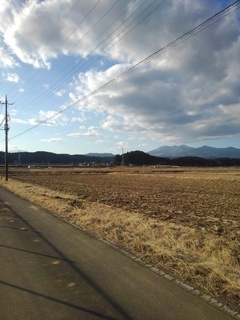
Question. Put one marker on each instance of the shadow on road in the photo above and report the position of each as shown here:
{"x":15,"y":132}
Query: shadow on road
{"x":59,"y":255}
{"x":56,"y":300}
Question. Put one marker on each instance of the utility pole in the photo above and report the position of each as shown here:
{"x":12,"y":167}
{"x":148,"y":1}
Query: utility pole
{"x":122,"y":160}
{"x":6,"y":128}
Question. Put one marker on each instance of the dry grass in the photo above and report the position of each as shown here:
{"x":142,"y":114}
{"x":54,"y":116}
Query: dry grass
{"x":184,"y":221}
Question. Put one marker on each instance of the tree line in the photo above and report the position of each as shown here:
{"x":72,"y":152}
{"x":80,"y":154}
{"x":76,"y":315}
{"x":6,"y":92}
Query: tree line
{"x":136,"y":158}
{"x":139,"y":158}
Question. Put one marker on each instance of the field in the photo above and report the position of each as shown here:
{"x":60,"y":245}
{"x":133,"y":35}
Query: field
{"x":185,"y":221}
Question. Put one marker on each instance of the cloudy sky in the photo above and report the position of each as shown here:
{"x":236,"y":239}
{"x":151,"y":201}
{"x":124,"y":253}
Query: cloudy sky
{"x":102,"y":75}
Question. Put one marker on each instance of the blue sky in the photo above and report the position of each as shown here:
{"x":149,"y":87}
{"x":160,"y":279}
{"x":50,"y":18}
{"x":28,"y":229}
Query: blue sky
{"x":57,"y":55}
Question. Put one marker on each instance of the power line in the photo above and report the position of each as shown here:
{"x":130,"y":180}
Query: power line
{"x":76,"y":68}
{"x":199,"y":28}
{"x":65,"y":40}
{"x":47,"y":42}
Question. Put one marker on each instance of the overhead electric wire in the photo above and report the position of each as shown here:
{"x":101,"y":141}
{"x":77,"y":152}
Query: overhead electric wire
{"x":124,"y":35}
{"x":202,"y":26}
{"x":65,"y":40}
{"x":73,"y":70}
{"x":79,"y":24}
{"x":112,"y":33}
{"x":66,"y":67}
{"x":44,"y":95}
{"x":146,"y":16}
{"x":199,"y":28}
{"x":72,"y":32}
{"x":49,"y":93}
{"x":77,"y":43}
{"x":47,"y":42}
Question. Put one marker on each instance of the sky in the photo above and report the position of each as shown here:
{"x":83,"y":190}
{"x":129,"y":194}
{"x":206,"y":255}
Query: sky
{"x":106,"y":76}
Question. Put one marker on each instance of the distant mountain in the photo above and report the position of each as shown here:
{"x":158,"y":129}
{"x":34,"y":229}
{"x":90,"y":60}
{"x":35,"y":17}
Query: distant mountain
{"x":46,"y":158}
{"x":171,"y":151}
{"x":100,"y":155}
{"x":202,"y":152}
{"x":139,"y":158}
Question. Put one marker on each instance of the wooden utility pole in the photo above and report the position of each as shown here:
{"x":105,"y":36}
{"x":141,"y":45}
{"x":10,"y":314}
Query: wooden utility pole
{"x":6,"y":128}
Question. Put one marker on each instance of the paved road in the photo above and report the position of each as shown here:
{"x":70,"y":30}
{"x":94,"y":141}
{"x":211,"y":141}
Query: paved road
{"x":50,"y":269}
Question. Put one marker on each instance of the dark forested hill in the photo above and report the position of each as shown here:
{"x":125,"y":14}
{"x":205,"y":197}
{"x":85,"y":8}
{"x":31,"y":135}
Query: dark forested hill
{"x":140,"y":158}
{"x":48,"y":158}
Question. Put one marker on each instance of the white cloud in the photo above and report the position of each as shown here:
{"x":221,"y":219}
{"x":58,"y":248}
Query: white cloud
{"x":122,"y":144}
{"x":91,"y":133}
{"x":46,"y":86}
{"x":12,"y":77}
{"x":59,"y":93}
{"x":142,"y":145}
{"x":80,"y":119}
{"x":119,"y":147}
{"x":74,"y":28}
{"x":50,"y":140}
{"x":99,"y":141}
{"x":83,"y":28}
{"x":136,"y":138}
{"x":49,"y":118}
{"x":21,"y":121}
{"x":110,"y":123}
{"x":6,"y":59}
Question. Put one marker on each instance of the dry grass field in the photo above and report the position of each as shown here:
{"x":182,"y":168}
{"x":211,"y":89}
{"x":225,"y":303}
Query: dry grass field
{"x":185,"y":221}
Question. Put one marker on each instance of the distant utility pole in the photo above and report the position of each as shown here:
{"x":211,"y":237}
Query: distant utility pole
{"x":6,"y":128}
{"x":122,"y":160}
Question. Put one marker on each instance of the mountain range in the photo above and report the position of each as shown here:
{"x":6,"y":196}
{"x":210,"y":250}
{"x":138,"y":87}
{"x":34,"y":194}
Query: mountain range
{"x":101,"y":155}
{"x":202,"y":152}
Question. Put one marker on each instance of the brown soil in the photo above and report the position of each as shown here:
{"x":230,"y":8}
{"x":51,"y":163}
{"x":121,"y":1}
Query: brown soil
{"x":183,"y":220}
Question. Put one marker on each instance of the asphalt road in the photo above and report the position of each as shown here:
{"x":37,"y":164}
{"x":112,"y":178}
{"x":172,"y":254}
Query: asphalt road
{"x":50,"y":269}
